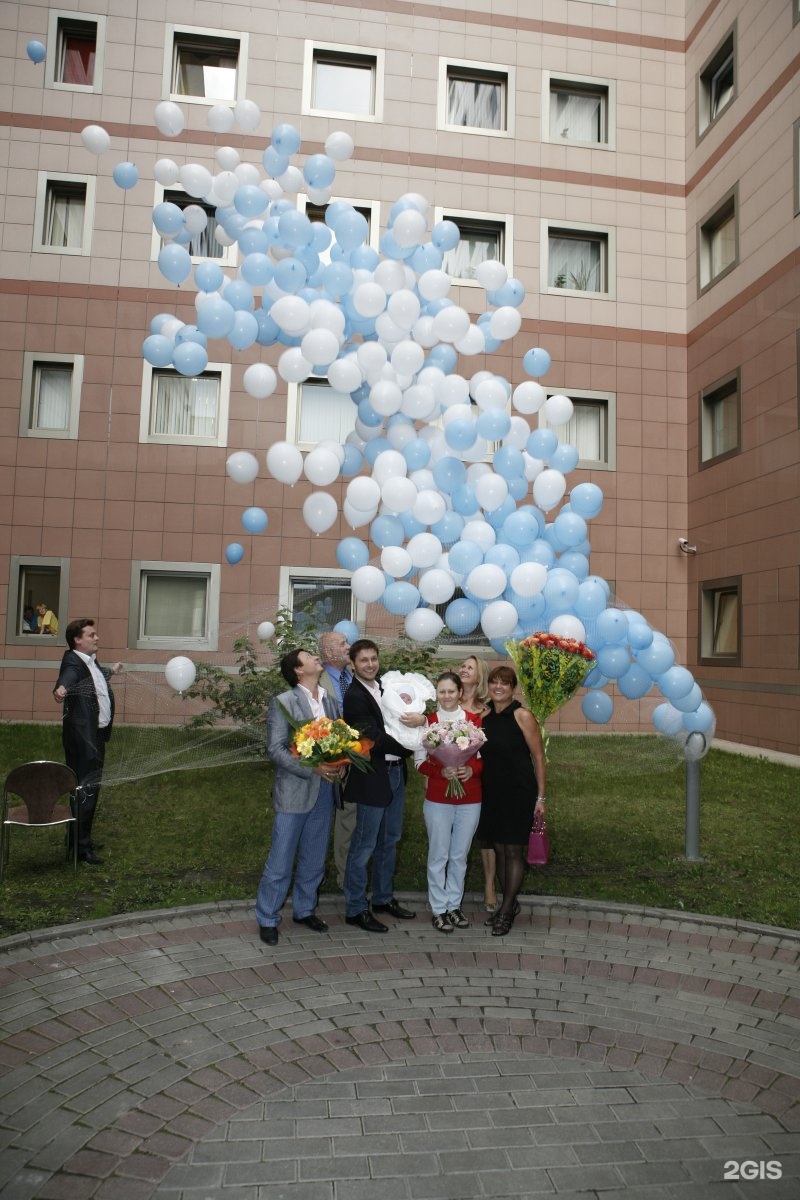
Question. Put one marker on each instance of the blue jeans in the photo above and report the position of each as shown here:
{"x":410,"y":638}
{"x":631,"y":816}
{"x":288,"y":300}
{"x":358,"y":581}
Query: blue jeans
{"x":376,"y":835}
{"x":450,"y":830}
{"x":305,"y":835}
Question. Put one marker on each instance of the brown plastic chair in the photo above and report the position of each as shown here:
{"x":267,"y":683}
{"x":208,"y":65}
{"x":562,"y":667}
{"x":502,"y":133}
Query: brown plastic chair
{"x":39,"y":785}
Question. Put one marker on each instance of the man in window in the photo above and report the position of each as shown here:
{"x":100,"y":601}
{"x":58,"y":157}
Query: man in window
{"x":379,"y":797}
{"x":303,"y":801}
{"x":82,"y":687}
{"x":334,"y":650}
{"x":47,"y":621}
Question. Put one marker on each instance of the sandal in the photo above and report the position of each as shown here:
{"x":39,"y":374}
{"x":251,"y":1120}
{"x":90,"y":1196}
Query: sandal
{"x":503,"y":924}
{"x":490,"y":920}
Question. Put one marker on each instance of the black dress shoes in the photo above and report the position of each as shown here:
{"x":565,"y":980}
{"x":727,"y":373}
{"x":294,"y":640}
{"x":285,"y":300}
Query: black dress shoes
{"x":91,"y":858}
{"x":367,"y":922}
{"x":312,"y":921}
{"x":393,"y":909}
{"x":269,"y":934}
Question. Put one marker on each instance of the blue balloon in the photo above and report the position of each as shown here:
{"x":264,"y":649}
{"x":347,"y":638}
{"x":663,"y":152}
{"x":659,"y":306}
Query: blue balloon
{"x":690,"y":702}
{"x":426,"y":258}
{"x":461,"y":616}
{"x":597,"y":707}
{"x":658,"y":657}
{"x":253,"y":240}
{"x":249,"y":200}
{"x":503,"y":556}
{"x":189,"y":359}
{"x":520,"y":528}
{"x":699,"y":721}
{"x":36,"y":51}
{"x":668,"y":720}
{"x":254,"y":520}
{"x":675,"y":682}
{"x":167,"y":218}
{"x":542,"y":443}
{"x":449,"y":473}
{"x":417,"y":454}
{"x":400,"y":598}
{"x":387,"y":531}
{"x":274,"y":162}
{"x":595,"y":678}
{"x":536,"y":362}
{"x":640,"y":635}
{"x":125,"y":175}
{"x":285,"y":138}
{"x":239,"y":294}
{"x":174,"y":263}
{"x":564,"y":458}
{"x":449,"y":528}
{"x":319,"y":171}
{"x":590,"y":601}
{"x":612,"y":626}
{"x":443,"y":356}
{"x":508,"y":461}
{"x":374,"y":448}
{"x":268,"y":331}
{"x":208,"y":276}
{"x":635,"y":682}
{"x":517,"y":488}
{"x":353,"y":460}
{"x":497,"y":516}
{"x":445,"y":235}
{"x":290,"y":275}
{"x":560,"y":590}
{"x":511,"y":293}
{"x":578,"y":564}
{"x":256,"y":270}
{"x":586,"y":500}
{"x":157,"y":350}
{"x":244,"y":330}
{"x":190,"y":333}
{"x":464,"y":556}
{"x":491,"y":343}
{"x":493,"y":424}
{"x":465,"y":501}
{"x":234,"y":553}
{"x":352,"y":553}
{"x":613,"y":661}
{"x":540,"y":552}
{"x":411,"y":525}
{"x":461,"y":434}
{"x":364,"y":258}
{"x":570,"y":528}
{"x":295,"y":229}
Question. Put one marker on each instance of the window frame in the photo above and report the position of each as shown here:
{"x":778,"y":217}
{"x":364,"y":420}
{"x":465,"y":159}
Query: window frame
{"x":172,"y":35}
{"x":341,"y":51}
{"x":726,"y":49}
{"x":796,"y":160}
{"x":605,"y":234}
{"x":212,"y":572}
{"x":476,"y":68}
{"x":43,"y":190}
{"x":608,"y":400}
{"x":506,"y":220}
{"x":373,"y":207}
{"x":709,"y":591}
{"x":287,"y":575}
{"x":30,"y":362}
{"x":294,"y":398}
{"x":17,"y":563}
{"x":585,"y":83}
{"x":58,"y":22}
{"x":223,"y":370}
{"x":721,"y":389}
{"x":229,"y":256}
{"x":711,"y":223}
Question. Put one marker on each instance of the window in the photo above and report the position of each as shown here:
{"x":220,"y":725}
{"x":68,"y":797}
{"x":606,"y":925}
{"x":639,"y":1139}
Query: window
{"x":79,"y":41}
{"x":577,"y":109}
{"x":720,"y":420}
{"x":591,"y":429}
{"x":64,"y":212}
{"x":370,"y":212}
{"x":51,"y":395}
{"x":174,"y":606}
{"x":718,"y":243}
{"x":317,"y":412}
{"x":34,"y":581}
{"x":717,"y":83}
{"x":321,"y":597}
{"x":721,"y":621}
{"x":343,"y":81}
{"x":482,"y":238}
{"x":475,"y":97}
{"x":578,"y":260}
{"x":203,"y":245}
{"x":205,"y":65}
{"x":182,"y":410}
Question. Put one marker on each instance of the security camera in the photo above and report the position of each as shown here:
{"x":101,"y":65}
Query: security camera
{"x":683,"y":543}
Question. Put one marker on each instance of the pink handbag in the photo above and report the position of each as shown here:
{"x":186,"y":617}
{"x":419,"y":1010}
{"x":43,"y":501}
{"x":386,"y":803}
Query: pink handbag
{"x":538,"y":843}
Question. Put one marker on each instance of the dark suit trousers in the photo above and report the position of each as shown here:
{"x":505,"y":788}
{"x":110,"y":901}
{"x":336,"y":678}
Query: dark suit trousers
{"x":86,"y":759}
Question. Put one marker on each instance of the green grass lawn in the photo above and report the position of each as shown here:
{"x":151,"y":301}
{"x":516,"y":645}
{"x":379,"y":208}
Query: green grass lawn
{"x":616,"y":815}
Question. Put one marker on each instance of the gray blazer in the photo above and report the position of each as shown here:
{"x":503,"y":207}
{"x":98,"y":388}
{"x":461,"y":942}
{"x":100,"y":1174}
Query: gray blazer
{"x":296,"y":787}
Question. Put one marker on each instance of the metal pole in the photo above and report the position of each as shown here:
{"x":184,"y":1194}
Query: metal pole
{"x":692,"y":831}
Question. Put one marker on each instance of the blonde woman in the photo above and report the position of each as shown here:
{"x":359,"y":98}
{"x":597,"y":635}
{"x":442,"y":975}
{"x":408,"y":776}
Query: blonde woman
{"x":474,"y":676}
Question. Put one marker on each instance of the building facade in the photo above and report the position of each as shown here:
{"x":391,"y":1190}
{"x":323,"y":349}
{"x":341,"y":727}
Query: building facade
{"x":635,"y":164}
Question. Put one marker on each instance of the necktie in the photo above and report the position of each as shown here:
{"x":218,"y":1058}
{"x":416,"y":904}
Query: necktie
{"x":344,"y":683}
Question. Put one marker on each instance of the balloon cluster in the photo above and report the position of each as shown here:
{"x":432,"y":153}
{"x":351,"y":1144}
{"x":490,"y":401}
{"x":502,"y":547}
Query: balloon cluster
{"x":441,"y":466}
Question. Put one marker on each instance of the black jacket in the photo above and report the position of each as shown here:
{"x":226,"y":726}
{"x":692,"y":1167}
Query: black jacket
{"x":361,"y":710}
{"x":81,"y":706}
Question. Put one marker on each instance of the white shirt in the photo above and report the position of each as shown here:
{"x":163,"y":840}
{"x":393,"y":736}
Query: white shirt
{"x":101,"y":688}
{"x":316,"y":702}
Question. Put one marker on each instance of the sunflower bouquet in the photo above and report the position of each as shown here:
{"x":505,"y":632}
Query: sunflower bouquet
{"x":329,"y":740}
{"x":550,"y":670}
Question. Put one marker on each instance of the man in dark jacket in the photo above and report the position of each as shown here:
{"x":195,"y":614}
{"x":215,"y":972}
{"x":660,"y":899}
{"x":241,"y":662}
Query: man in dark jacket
{"x":379,"y":796}
{"x":82,"y":687}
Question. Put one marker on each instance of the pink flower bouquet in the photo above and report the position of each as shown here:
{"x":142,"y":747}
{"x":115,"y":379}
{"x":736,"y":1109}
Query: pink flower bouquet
{"x":453,"y":743}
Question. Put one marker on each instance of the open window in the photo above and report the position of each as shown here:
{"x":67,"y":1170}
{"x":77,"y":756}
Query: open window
{"x":36,"y":581}
{"x":721,"y":622}
{"x":716,"y":84}
{"x":205,"y":66}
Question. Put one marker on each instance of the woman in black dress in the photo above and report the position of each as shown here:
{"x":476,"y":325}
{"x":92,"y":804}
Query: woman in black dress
{"x":513,"y":788}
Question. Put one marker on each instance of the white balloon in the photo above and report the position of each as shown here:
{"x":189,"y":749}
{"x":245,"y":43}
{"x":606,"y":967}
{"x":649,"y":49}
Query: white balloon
{"x":473,"y":342}
{"x":335,"y":448}
{"x":180,"y":673}
{"x":324,"y":314}
{"x":419,"y":402}
{"x":357,"y":516}
{"x":487,"y":581}
{"x":247,"y":115}
{"x":407,"y":357}
{"x":165,"y":172}
{"x":386,"y":398}
{"x":389,"y":464}
{"x":451,"y":324}
{"x":423,"y":625}
{"x":479,"y":532}
{"x":425,"y":549}
{"x":454,"y":389}
{"x":321,"y":466}
{"x":247,"y":173}
{"x":528,"y":397}
{"x":400,"y":435}
{"x":319,"y":195}
{"x":533,"y":466}
{"x":259,"y":380}
{"x":436,"y":585}
{"x":220,"y":119}
{"x":567,"y":626}
{"x":423,"y":478}
{"x":339,"y":146}
{"x":429,"y":506}
{"x":558,"y":410}
{"x":548,"y":488}
{"x":292,"y":315}
{"x":284,"y":462}
{"x":409,"y":228}
{"x":369,"y":299}
{"x":398,"y":494}
{"x":499,"y":619}
{"x":363,"y":493}
{"x":292,"y":180}
{"x":434,"y":285}
{"x":390,"y":275}
{"x":242,"y":466}
{"x":225,"y":186}
{"x":195,"y":179}
{"x":422,"y":332}
{"x":265,"y":631}
{"x":169,"y":118}
{"x":319,"y":511}
{"x":293,"y":366}
{"x":368,"y":584}
{"x":95,"y":139}
{"x":529,"y":578}
{"x":345,"y":374}
{"x":396,"y":561}
{"x":320,"y":347}
{"x":491,"y":274}
{"x":490,"y":491}
{"x":491,"y":394}
{"x":371,"y":356}
{"x":518,"y":433}
{"x":505,"y":322}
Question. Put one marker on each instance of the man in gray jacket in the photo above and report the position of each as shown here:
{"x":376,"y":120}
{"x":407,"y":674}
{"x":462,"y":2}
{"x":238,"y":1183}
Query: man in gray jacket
{"x":303,"y":801}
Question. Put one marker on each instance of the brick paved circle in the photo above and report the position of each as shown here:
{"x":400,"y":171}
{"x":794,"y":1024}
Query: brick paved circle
{"x":597,"y":1049}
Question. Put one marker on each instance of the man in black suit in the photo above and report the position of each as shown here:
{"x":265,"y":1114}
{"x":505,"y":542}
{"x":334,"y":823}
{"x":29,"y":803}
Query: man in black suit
{"x":379,"y":796}
{"x":82,"y":687}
